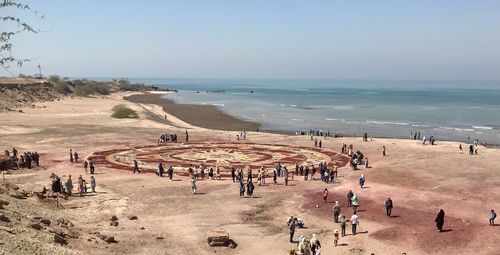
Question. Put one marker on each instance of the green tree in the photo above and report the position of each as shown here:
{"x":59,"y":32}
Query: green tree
{"x":15,"y":25}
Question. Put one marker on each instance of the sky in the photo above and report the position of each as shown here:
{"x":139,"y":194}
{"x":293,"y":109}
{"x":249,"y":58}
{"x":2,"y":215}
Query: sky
{"x":264,"y":39}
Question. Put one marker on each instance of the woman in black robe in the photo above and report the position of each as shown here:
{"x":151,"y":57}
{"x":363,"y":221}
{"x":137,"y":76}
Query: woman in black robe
{"x":440,"y":220}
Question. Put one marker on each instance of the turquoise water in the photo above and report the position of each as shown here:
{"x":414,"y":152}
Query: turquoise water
{"x":459,"y":111}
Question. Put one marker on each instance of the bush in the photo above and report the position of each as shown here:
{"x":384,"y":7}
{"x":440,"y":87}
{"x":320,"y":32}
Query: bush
{"x":121,"y":111}
{"x":62,"y":88}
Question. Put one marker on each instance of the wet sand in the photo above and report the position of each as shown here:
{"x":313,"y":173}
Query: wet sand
{"x":206,"y":116}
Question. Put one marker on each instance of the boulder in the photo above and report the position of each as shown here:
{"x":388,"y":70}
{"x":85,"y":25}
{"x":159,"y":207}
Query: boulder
{"x":132,"y":217}
{"x":4,"y":218}
{"x":107,"y":239}
{"x":60,"y":240}
{"x":18,"y":194}
{"x":36,"y":226}
{"x":218,"y":238}
{"x":5,"y":162}
{"x":46,"y":221}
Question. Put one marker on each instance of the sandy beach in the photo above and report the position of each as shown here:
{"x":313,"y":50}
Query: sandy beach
{"x":420,"y":179}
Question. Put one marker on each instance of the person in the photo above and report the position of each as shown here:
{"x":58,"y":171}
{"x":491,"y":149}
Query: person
{"x":187,"y":136}
{"x":85,"y":165}
{"x":366,"y":162}
{"x":170,"y":172}
{"x":71,"y":155}
{"x":80,"y":185}
{"x":315,"y":244}
{"x":354,"y":222}
{"x":69,"y":185}
{"x":460,"y":149}
{"x":388,"y":207}
{"x":36,"y":158}
{"x":84,"y":184}
{"x":91,"y":166}
{"x":336,"y":211}
{"x":440,"y":220}
{"x":193,"y":185}
{"x":335,"y":237}
{"x":343,"y":224}
{"x":349,"y":198}
{"x":354,"y":202}
{"x":217,"y":173}
{"x":233,"y":174}
{"x":291,"y":227}
{"x":383,"y":150}
{"x":304,"y":247}
{"x":362,"y":181}
{"x":242,"y":189}
{"x":493,"y":216}
{"x":160,"y":170}
{"x":92,"y":183}
{"x":76,"y":156}
{"x":250,"y":188}
{"x":136,"y":167}
{"x":285,"y":175}
{"x":325,"y":195}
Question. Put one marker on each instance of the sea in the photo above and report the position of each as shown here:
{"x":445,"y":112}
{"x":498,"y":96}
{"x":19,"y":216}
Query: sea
{"x":448,"y":110}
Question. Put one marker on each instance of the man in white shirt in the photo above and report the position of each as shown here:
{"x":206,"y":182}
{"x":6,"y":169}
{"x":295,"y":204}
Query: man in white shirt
{"x":354,"y":223}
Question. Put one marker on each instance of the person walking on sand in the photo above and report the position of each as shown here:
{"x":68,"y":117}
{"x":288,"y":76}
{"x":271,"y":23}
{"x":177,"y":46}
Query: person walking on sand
{"x":233,"y":173}
{"x":440,"y":220}
{"x":325,"y":195}
{"x":71,"y":155}
{"x":292,"y":227}
{"x":285,"y":175}
{"x":315,"y":244}
{"x":250,"y":188}
{"x":75,"y":156}
{"x":354,"y":223}
{"x":187,"y":136}
{"x":343,"y":224}
{"x":388,"y":207}
{"x":335,"y":237}
{"x":493,"y":216}
{"x":242,"y":189}
{"x":460,"y":150}
{"x":336,"y":211}
{"x":69,"y":185}
{"x":92,"y":183}
{"x":136,"y":167}
{"x":349,"y":198}
{"x":383,"y":150}
{"x":80,"y":185}
{"x":362,"y":181}
{"x":354,"y":202}
{"x":366,"y":162}
{"x":193,"y":185}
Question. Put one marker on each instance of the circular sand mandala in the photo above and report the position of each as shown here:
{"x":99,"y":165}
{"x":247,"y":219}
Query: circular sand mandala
{"x":224,"y":155}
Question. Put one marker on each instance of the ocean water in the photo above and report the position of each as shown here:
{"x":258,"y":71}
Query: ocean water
{"x":449,"y":110}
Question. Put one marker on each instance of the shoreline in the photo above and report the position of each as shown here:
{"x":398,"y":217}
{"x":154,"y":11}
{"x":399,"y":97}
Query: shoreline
{"x":211,"y":117}
{"x":204,"y":116}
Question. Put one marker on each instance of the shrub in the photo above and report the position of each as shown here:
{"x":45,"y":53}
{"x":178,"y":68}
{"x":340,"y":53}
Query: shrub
{"x":121,"y":111}
{"x":62,"y":88}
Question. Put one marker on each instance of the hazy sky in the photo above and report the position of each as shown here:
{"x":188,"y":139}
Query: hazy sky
{"x":266,"y":39}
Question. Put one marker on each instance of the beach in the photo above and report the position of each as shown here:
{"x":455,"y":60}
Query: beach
{"x":420,"y":179}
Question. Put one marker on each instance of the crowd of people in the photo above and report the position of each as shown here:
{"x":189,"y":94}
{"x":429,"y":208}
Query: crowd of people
{"x":167,"y":138}
{"x":23,"y":160}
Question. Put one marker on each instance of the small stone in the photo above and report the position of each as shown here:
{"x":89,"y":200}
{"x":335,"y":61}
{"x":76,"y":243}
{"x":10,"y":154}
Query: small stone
{"x":60,"y":240}
{"x":46,"y":221}
{"x":142,"y":228}
{"x":114,"y":218}
{"x":37,"y":218}
{"x":4,"y":218}
{"x":132,"y":217}
{"x":107,"y":239}
{"x":36,"y":226}
{"x":114,"y":223}
{"x":160,"y":237}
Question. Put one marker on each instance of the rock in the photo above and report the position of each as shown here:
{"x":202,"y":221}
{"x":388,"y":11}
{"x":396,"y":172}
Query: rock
{"x":218,"y":238}
{"x":18,"y":194}
{"x":5,"y":162}
{"x":46,"y":221}
{"x":114,"y":223}
{"x":3,"y":202}
{"x":36,"y":226}
{"x":232,"y":244}
{"x":60,"y":240}
{"x":114,"y":218}
{"x":107,"y":239}
{"x":4,"y":218}
{"x":160,"y":238}
{"x":1,"y":206}
{"x":132,"y":217}
{"x":142,"y":228}
{"x":37,"y":218}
